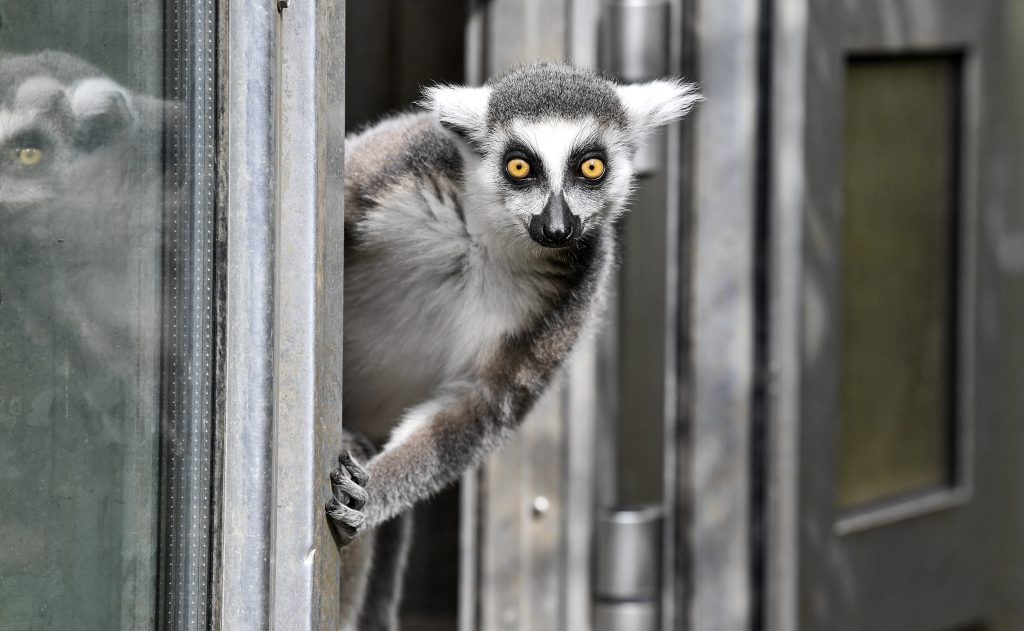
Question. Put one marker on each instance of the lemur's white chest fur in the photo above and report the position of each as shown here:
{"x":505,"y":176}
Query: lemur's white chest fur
{"x":430,"y":316}
{"x":429,"y":296}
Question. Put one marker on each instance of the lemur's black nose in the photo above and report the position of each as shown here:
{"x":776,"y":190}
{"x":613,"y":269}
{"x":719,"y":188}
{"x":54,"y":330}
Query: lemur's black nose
{"x":555,"y":225}
{"x":557,"y":232}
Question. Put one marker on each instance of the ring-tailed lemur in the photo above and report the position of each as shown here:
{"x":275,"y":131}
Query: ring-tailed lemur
{"x":479,"y":236}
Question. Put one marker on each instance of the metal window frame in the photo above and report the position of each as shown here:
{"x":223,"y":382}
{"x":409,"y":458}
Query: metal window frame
{"x":789,"y":58}
{"x":283,"y":143}
{"x":189,"y":361}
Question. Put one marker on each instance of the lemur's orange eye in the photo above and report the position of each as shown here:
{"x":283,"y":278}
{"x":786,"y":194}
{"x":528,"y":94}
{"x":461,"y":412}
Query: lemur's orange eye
{"x":29,"y":156}
{"x":592,"y":168}
{"x":517,"y":168}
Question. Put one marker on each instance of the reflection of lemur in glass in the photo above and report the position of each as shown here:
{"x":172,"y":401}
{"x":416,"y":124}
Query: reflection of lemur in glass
{"x":71,"y":138}
{"x":82,"y":201}
{"x":479,"y":236}
{"x":81,"y":207}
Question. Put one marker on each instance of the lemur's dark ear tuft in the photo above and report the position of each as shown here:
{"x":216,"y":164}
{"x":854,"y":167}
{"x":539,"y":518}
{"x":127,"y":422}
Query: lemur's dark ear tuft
{"x":650,"y":105}
{"x":102,"y":110}
{"x":459,"y":108}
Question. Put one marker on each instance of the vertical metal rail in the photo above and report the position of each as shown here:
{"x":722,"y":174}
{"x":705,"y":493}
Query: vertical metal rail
{"x":243,"y":599}
{"x":721,"y":316}
{"x":630,"y":550}
{"x":785,"y":253}
{"x":469,"y":488}
{"x":308,"y":314}
{"x":188,"y":349}
{"x":679,"y":178}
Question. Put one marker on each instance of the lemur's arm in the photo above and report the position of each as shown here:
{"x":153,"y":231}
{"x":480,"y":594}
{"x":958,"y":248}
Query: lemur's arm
{"x":459,"y":429}
{"x":451,"y":433}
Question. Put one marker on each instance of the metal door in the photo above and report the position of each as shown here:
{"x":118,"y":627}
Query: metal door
{"x":897,"y":335}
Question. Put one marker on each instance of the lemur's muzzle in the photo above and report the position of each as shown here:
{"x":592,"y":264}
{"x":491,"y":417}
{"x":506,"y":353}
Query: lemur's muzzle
{"x":556,"y":225}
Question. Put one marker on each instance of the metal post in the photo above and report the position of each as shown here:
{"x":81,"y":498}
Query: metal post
{"x":246,"y":428}
{"x":722,"y":317}
{"x":308,"y":314}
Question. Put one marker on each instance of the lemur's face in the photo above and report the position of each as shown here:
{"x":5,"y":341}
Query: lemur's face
{"x":559,"y":177}
{"x":557,"y":143}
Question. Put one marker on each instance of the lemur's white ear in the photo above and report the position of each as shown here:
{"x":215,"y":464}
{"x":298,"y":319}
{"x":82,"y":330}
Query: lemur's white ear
{"x":462,"y":109}
{"x":38,"y":92}
{"x":650,"y":105}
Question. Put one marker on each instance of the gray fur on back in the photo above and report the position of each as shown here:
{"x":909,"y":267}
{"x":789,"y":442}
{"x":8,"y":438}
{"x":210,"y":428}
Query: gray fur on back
{"x":408,"y":145}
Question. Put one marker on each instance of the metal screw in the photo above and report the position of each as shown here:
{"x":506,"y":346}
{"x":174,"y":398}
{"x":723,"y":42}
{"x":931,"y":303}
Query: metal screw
{"x":541,"y":505}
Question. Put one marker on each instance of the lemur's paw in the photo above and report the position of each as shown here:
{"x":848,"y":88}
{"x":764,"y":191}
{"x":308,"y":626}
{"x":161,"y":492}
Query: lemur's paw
{"x":348,"y":483}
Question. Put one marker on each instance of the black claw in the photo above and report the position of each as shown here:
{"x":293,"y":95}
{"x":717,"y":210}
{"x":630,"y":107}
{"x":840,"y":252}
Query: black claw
{"x":332,"y":507}
{"x":344,"y":515}
{"x":346,"y":533}
{"x":349,"y":497}
{"x":354,"y":493}
{"x":359,"y":474}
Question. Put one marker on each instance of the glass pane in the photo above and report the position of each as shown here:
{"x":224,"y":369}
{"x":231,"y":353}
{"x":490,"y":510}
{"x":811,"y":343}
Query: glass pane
{"x":92,"y":275}
{"x":897,"y":319}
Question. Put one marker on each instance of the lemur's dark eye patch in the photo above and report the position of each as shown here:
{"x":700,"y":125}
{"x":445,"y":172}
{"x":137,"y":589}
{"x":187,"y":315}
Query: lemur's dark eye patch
{"x":589,"y":162}
{"x":520,"y":164}
{"x":586,"y":151}
{"x":27,"y":149}
{"x":29,"y":138}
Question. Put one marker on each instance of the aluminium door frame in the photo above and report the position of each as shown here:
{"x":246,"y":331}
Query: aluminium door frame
{"x":283,"y":146}
{"x":188,"y":423}
{"x":786,"y":174}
